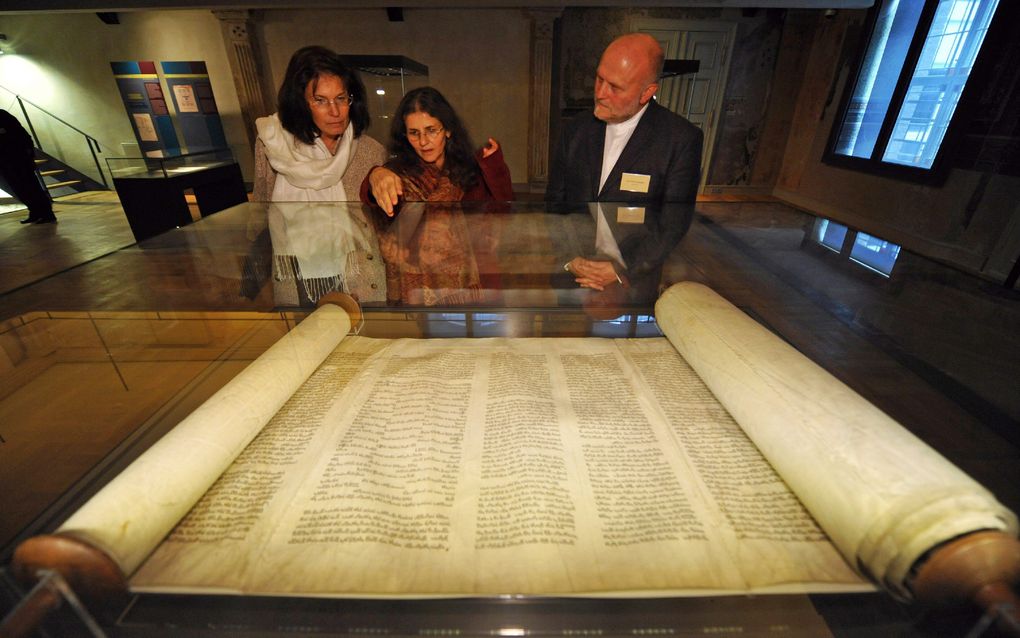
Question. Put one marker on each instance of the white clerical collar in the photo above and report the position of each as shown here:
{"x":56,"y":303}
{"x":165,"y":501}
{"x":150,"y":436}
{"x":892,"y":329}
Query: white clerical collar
{"x":617,"y":136}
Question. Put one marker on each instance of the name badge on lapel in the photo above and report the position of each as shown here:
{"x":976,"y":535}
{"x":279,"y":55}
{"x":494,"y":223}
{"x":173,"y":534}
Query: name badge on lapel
{"x":635,"y":182}
{"x":630,"y":215}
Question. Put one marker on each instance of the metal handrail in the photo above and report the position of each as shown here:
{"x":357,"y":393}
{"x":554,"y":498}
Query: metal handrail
{"x":93,"y":144}
{"x":27,"y":101}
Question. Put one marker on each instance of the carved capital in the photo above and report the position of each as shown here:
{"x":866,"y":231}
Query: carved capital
{"x":542,"y":22}
{"x":235,"y":23}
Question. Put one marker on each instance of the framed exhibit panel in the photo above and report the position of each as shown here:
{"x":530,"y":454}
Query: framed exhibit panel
{"x":147,"y":107}
{"x":198,"y":118}
{"x":346,"y":423}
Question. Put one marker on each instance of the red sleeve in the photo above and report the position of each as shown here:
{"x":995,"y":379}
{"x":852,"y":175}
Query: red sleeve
{"x":496,"y":184}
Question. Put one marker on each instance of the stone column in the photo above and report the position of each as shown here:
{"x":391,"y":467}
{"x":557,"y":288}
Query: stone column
{"x":246,"y":66}
{"x":539,"y":94}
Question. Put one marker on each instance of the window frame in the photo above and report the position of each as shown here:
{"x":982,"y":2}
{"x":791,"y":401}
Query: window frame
{"x":939,"y":170}
{"x":841,"y":259}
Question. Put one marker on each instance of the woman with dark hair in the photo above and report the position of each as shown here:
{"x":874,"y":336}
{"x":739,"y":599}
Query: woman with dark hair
{"x":314,"y":141}
{"x":433,"y":158}
{"x":314,"y":150}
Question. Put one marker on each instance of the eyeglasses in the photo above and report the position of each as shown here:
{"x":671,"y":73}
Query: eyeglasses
{"x":428,"y":134}
{"x":321,"y":103}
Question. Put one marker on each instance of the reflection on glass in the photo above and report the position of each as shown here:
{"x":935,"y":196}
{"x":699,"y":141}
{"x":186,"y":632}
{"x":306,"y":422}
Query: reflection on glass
{"x":320,"y":248}
{"x":467,"y":324}
{"x":830,"y":234}
{"x":627,"y":326}
{"x":874,"y":253}
{"x":436,"y":255}
{"x":458,"y":256}
{"x":489,"y":324}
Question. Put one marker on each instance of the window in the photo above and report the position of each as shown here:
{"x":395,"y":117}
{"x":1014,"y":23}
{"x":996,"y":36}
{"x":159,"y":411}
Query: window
{"x":911,"y":77}
{"x":873,"y":253}
{"x":830,"y":234}
{"x":626,"y":325}
{"x":466,"y":324}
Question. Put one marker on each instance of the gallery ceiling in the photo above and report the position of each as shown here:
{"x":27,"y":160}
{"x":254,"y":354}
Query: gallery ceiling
{"x":35,"y":6}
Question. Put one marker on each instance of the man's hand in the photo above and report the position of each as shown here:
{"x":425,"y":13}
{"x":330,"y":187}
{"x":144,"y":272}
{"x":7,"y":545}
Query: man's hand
{"x":593,"y":274}
{"x":386,"y":188}
{"x":490,"y":148}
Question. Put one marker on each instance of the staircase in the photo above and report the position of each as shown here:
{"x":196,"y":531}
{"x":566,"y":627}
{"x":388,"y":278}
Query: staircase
{"x":67,"y":158}
{"x":60,"y":179}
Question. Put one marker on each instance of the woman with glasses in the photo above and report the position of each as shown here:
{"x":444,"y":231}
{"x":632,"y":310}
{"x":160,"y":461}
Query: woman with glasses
{"x":434,"y":160}
{"x":313,"y":149}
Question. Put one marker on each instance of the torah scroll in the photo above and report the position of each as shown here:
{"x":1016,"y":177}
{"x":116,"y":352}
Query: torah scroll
{"x":364,"y":467}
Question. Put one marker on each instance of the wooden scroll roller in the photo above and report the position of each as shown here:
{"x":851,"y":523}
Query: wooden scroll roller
{"x":982,"y":568}
{"x":345,"y":301}
{"x":93,"y":576}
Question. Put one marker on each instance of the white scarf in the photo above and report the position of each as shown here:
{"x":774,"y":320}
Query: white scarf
{"x":310,"y":172}
{"x":315,"y":244}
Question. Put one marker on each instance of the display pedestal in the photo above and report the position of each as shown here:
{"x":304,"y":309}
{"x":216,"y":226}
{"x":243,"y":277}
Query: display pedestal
{"x":152,"y":190}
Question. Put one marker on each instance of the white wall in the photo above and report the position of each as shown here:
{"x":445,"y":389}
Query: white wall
{"x":478,"y":58}
{"x":62,"y":63}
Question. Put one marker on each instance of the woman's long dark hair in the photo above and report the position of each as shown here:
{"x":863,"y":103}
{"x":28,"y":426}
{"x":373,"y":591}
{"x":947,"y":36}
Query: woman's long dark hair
{"x":459,"y":164}
{"x":308,"y":64}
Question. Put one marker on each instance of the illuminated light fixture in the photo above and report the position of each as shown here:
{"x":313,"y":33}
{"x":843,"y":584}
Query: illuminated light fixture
{"x":380,"y":91}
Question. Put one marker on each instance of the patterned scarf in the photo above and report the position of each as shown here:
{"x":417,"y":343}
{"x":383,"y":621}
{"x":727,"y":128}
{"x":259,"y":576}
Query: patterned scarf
{"x":436,"y":264}
{"x":431,"y":186}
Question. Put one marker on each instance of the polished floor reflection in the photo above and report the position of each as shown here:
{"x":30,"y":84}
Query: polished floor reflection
{"x":89,"y":226}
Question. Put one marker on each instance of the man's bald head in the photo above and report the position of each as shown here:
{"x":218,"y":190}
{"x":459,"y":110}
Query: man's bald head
{"x":638,"y":50}
{"x":627,"y":76}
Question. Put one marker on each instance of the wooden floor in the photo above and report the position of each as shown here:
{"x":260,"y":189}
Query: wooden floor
{"x":90,"y":225}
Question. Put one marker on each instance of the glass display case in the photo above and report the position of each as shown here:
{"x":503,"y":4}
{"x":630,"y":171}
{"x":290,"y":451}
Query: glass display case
{"x":387,"y":79}
{"x":167,"y":167}
{"x":109,"y":357}
{"x":154,"y":191}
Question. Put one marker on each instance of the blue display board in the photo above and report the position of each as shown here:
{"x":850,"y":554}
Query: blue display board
{"x":198,"y":119}
{"x":146,"y":107}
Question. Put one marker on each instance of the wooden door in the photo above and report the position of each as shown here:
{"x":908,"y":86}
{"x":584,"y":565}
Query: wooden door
{"x":697,"y":97}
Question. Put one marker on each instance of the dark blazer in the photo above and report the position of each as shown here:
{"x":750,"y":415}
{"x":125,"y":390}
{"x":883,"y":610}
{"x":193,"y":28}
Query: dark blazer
{"x":664,"y":146}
